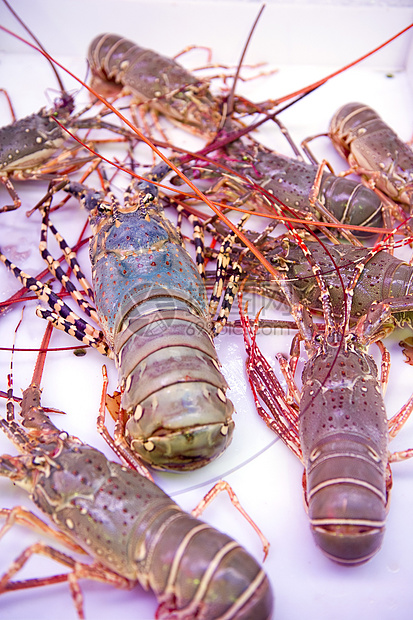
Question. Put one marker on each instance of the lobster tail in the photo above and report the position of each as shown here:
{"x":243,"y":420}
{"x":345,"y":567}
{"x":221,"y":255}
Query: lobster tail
{"x":210,"y":576}
{"x":178,"y":416}
{"x":347,"y":501}
{"x":149,"y":76}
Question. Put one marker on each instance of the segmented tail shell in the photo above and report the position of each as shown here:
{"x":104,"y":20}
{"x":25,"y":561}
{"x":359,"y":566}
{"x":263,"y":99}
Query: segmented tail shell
{"x":178,"y":416}
{"x":291,"y":182}
{"x":151,"y":77}
{"x":360,"y":135}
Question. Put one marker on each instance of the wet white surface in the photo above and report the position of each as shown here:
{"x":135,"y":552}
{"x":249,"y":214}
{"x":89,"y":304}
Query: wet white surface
{"x":262,"y":471}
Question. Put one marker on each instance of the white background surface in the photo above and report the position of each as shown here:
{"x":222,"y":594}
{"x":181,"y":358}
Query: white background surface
{"x":264,"y":474}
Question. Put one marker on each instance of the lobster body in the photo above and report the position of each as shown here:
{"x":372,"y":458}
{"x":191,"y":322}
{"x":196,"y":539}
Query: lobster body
{"x":28,"y":145}
{"x":151,"y":77}
{"x":153,"y":310}
{"x":29,"y":142}
{"x":131,"y":527}
{"x":369,"y":144}
{"x":291,"y":182}
{"x":344,"y":441}
{"x":173,"y":91}
{"x":384,"y":276}
{"x":337,"y":423}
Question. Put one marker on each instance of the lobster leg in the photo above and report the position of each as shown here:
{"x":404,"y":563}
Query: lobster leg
{"x":91,"y":339}
{"x":228,"y":299}
{"x":79,"y":571}
{"x":222,"y":485}
{"x":55,"y":268}
{"x":401,"y":455}
{"x":68,"y":253}
{"x":198,"y":237}
{"x":395,"y":424}
{"x":385,"y":366}
{"x":397,"y":421}
{"x":264,"y":384}
{"x":117,"y":443}
{"x":223,"y":261}
{"x":21,"y":516}
{"x":13,"y":195}
{"x":61,"y":315}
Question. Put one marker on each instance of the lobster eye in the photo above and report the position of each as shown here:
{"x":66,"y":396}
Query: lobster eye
{"x":103,"y":208}
{"x":93,"y":201}
{"x":149,"y":191}
{"x":149,"y":197}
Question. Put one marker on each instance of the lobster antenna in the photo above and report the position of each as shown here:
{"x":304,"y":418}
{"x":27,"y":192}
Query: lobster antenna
{"x":244,"y":51}
{"x":9,"y":405}
{"x":33,"y":36}
{"x":41,"y":358}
